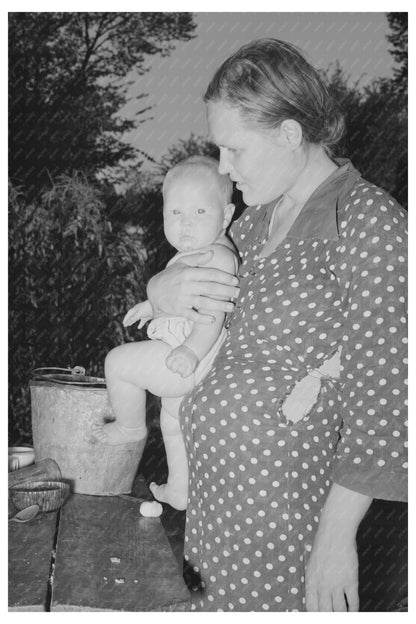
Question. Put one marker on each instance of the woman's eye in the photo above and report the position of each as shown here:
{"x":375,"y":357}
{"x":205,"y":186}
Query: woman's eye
{"x":175,"y":212}
{"x":201,"y":211}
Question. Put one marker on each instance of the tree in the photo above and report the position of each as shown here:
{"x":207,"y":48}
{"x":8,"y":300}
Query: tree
{"x":65,"y":72}
{"x":398,"y":23}
{"x":376,"y":130}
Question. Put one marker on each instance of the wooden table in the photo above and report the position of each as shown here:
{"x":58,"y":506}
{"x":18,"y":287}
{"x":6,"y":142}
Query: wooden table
{"x":91,"y":530}
{"x":96,"y":554}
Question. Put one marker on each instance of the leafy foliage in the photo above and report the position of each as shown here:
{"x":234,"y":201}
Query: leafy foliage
{"x":71,"y":280}
{"x":376,"y":131}
{"x":398,"y":23}
{"x":65,"y":88}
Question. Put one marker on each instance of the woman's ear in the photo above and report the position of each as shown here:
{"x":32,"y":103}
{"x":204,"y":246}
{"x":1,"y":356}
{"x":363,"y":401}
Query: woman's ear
{"x":228,"y":215}
{"x":289,"y":133}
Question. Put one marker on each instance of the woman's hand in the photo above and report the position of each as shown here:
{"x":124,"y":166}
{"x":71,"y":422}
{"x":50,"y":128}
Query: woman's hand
{"x":332,"y":576}
{"x":185,"y":287}
{"x":332,"y":570}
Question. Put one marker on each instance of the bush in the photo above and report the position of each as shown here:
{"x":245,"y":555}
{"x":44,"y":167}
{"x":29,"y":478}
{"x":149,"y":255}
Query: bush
{"x":71,"y":281}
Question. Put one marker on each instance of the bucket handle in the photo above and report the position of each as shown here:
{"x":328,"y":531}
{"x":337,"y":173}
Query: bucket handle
{"x":77,"y":374}
{"x":77,"y":370}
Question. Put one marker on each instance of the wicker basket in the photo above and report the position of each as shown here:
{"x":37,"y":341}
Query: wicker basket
{"x":49,"y":495}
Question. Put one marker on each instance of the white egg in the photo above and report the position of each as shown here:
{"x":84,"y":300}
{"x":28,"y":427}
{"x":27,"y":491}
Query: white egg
{"x":151,"y":509}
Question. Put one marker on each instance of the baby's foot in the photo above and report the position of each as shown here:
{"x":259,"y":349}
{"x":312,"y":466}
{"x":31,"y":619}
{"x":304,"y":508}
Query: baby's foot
{"x":166,"y":493}
{"x":113,"y":433}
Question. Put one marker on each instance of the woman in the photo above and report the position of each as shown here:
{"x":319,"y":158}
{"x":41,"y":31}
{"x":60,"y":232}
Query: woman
{"x":274,"y":504}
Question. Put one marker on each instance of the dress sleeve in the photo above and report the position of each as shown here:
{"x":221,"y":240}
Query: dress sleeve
{"x":371,"y":269}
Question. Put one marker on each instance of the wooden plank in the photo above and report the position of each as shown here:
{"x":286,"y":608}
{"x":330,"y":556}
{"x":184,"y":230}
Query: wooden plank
{"x":144,"y":576}
{"x":30,"y":554}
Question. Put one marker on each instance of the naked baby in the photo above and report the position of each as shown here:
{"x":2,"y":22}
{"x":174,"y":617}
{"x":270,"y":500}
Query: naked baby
{"x":197,"y":211}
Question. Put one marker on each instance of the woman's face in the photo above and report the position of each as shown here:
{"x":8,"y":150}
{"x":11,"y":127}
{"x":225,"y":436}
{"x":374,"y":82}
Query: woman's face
{"x":261,"y":161}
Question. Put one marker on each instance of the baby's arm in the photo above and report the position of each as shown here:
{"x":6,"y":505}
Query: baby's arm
{"x":185,"y":358}
{"x":142,"y":312}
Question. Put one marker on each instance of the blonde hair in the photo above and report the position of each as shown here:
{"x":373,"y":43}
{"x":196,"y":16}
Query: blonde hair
{"x":194,"y":165}
{"x":269,"y":81}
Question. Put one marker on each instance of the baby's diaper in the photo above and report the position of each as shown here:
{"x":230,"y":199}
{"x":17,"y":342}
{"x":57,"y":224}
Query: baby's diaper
{"x":174,"y":330}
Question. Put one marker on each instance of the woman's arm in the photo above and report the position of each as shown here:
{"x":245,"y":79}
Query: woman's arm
{"x":371,"y":453}
{"x":332,"y":569}
{"x":185,"y":286}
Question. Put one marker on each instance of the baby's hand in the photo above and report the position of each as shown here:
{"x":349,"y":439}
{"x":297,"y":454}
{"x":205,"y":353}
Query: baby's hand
{"x":182,"y":361}
{"x":141,"y":312}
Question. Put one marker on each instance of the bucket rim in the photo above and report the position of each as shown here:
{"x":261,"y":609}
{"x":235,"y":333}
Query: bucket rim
{"x":67,"y":376}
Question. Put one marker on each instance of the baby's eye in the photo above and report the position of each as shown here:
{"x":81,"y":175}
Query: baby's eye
{"x":201,"y":211}
{"x":175,"y":212}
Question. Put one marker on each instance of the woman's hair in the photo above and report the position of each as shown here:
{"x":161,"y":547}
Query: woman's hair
{"x":196,"y":165}
{"x":269,"y":81}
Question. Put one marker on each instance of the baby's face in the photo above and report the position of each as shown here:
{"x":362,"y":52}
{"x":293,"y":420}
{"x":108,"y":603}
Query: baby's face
{"x":194,"y":214}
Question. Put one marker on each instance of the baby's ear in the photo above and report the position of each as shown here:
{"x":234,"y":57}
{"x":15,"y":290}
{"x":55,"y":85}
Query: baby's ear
{"x":228,"y":214}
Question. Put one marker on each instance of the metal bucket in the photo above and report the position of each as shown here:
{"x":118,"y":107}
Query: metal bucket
{"x":65,"y":405}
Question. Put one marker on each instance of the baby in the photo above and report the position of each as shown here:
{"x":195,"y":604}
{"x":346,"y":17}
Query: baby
{"x":197,"y":211}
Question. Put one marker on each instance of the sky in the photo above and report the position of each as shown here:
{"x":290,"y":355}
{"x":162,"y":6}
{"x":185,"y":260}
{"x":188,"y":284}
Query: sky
{"x":175,"y":84}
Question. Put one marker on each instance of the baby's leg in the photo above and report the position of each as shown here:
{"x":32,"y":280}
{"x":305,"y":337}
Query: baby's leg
{"x":305,"y":393}
{"x":175,"y":491}
{"x":130,"y":370}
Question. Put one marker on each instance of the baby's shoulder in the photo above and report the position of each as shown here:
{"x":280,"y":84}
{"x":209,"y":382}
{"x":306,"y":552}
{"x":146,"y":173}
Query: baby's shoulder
{"x":177,"y":256}
{"x":224,"y":257}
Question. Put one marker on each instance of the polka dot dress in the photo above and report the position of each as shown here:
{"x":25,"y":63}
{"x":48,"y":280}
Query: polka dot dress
{"x":257,"y":481}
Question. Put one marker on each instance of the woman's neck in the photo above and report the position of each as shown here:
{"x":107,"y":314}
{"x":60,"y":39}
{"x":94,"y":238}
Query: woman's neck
{"x":316,"y":167}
